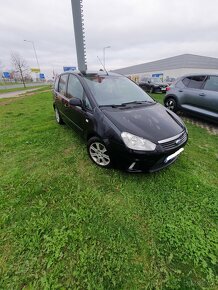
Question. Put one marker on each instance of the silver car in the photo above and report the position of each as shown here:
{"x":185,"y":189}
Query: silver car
{"x":197,"y":94}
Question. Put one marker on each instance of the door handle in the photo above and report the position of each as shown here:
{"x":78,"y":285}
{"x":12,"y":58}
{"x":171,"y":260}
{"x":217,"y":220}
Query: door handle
{"x":180,"y":91}
{"x":202,"y":94}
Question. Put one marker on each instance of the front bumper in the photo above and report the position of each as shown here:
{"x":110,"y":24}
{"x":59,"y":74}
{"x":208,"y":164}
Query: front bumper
{"x":139,"y":161}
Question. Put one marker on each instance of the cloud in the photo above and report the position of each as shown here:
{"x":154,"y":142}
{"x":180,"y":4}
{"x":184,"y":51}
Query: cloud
{"x":137,"y":31}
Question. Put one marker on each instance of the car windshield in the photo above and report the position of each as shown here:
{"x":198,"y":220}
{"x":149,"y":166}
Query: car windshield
{"x":115,"y":90}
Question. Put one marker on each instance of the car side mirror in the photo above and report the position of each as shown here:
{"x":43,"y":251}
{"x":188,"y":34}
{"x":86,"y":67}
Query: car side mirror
{"x":75,"y":102}
{"x":149,"y":82}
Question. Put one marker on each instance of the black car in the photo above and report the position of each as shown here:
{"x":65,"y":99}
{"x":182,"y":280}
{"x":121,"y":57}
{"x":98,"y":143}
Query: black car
{"x":121,"y":124}
{"x":153,"y":85}
{"x":196,"y":94}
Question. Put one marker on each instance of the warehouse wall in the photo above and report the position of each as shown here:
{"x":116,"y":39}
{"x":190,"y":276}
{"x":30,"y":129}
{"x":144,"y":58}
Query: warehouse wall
{"x":175,"y":73}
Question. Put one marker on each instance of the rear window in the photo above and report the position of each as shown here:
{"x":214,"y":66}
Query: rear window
{"x":186,"y":81}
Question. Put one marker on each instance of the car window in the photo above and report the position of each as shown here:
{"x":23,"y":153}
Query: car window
{"x":211,"y":83}
{"x":196,"y":82}
{"x":74,"y":88}
{"x":87,"y":103}
{"x":186,"y":81}
{"x":62,"y":84}
{"x":56,"y":84}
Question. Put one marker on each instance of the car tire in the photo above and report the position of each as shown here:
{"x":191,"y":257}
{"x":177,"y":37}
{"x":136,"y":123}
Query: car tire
{"x":171,"y":104}
{"x":151,"y":90}
{"x":98,"y":152}
{"x":58,"y":118}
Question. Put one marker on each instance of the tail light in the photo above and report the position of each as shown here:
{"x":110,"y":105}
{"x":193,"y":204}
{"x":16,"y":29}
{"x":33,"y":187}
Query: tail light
{"x":168,"y":88}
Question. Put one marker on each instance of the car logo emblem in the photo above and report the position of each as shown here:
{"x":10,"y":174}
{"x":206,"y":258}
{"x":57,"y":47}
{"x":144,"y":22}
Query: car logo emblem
{"x":178,"y":141}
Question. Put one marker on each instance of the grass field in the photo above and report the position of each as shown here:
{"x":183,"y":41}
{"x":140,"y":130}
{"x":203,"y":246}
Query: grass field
{"x":67,"y":224}
{"x":3,"y":91}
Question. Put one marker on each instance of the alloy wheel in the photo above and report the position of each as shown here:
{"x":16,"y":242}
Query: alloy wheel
{"x":171,"y":104}
{"x":98,"y":153}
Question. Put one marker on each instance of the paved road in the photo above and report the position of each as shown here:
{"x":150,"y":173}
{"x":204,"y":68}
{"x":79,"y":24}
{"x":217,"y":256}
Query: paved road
{"x":15,"y":94}
{"x":21,"y":86}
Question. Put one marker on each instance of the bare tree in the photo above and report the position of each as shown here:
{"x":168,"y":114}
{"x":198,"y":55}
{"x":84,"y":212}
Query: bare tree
{"x":20,"y":66}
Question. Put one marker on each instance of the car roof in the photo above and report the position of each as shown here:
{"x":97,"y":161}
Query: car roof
{"x":199,"y":74}
{"x":91,"y":73}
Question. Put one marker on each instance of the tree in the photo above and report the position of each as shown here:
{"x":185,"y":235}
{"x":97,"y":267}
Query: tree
{"x":20,"y":65}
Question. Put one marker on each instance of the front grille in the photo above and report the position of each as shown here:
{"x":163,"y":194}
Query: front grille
{"x":175,"y":142}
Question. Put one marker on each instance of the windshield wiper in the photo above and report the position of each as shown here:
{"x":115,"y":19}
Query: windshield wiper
{"x":138,"y":102}
{"x":128,"y":103}
{"x":113,"y":105}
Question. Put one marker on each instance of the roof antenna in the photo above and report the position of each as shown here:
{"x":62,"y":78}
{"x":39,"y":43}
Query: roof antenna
{"x":103,"y":66}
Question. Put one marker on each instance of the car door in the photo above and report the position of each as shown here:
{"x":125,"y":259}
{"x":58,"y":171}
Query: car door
{"x":209,"y":95}
{"x":77,"y":116}
{"x":60,"y":93}
{"x":191,"y":93}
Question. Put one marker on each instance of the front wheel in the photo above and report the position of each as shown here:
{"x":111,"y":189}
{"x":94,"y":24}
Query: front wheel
{"x":98,"y":152}
{"x":58,"y":117}
{"x":171,"y":104}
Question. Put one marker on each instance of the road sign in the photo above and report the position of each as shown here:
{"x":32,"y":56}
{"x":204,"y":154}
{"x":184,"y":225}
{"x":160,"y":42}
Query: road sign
{"x":35,"y":70}
{"x":41,"y":76}
{"x":6,"y":75}
{"x":157,"y":75}
{"x":67,"y":68}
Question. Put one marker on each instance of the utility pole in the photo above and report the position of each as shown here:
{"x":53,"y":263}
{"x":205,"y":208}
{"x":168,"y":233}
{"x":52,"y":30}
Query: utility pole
{"x":34,"y":52}
{"x":79,"y":34}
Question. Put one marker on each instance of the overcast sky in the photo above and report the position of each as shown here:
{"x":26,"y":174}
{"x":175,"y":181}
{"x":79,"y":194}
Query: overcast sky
{"x":138,"y":31}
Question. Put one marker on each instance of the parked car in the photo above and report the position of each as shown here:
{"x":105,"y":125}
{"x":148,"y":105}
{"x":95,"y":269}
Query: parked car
{"x":122,"y":125}
{"x":169,"y":81}
{"x":153,"y":85}
{"x":197,"y":94}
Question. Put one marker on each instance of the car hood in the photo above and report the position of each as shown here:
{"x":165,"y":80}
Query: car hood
{"x":153,"y":122}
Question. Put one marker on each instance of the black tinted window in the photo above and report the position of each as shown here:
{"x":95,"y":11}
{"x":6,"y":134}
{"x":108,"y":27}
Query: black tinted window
{"x":211,"y":84}
{"x":74,"y":89}
{"x":196,"y":82}
{"x":62,"y":84}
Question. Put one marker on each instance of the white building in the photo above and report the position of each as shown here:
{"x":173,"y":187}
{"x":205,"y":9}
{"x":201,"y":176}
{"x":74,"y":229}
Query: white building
{"x":172,"y":67}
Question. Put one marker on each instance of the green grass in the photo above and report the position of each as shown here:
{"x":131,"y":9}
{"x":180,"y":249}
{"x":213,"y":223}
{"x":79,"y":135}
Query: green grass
{"x":67,"y":224}
{"x":9,"y":83}
{"x":3,"y":91}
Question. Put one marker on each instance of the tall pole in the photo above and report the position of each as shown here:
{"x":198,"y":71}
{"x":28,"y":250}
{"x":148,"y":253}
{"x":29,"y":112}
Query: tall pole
{"x":79,"y":34}
{"x":34,"y":52}
{"x":104,"y":53}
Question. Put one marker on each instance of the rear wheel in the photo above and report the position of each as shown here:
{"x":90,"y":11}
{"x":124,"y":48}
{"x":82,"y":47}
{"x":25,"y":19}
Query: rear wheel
{"x":58,"y":117}
{"x":171,"y":104}
{"x":98,"y":152}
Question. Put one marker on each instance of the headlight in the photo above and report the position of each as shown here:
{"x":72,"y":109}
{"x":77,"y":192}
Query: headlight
{"x":137,"y":143}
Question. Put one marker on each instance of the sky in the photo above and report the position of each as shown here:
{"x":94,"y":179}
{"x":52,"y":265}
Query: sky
{"x":137,"y":31}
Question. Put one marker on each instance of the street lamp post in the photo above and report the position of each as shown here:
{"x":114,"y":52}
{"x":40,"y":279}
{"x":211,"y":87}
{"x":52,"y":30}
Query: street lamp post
{"x":104,"y":54}
{"x":34,"y":52}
